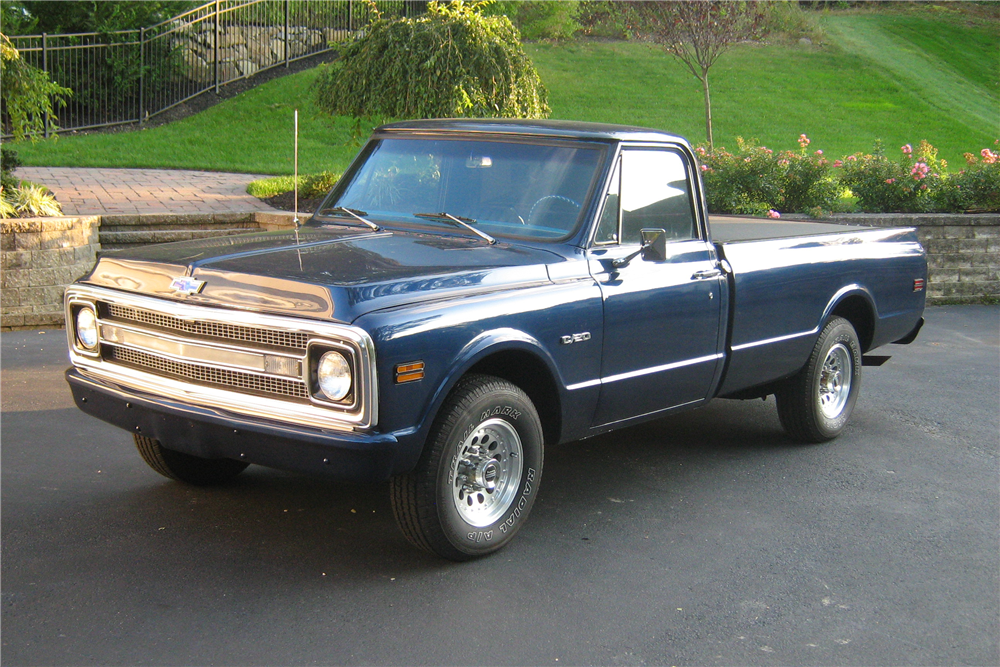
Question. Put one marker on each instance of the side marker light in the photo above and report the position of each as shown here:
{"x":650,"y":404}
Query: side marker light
{"x":409,"y":372}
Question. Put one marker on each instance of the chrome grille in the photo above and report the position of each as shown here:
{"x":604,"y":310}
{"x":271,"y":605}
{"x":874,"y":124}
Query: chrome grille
{"x":218,"y":358}
{"x":220,"y":330}
{"x":231,"y":379}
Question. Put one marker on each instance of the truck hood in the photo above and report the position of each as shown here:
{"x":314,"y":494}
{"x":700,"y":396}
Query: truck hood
{"x":333,"y":273}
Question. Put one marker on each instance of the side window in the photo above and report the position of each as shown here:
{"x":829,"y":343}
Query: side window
{"x":655,"y":194}
{"x":607,"y":228}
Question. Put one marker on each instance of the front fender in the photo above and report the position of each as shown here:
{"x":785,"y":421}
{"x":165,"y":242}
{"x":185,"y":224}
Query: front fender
{"x":489,"y":344}
{"x":451,"y":337}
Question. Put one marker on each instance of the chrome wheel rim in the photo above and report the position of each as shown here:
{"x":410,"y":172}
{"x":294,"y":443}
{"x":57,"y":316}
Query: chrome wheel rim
{"x":835,"y":381}
{"x":486,"y":473}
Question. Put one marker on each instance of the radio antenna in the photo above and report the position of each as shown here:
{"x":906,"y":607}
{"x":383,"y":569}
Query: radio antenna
{"x":295,"y":177}
{"x":295,"y":189}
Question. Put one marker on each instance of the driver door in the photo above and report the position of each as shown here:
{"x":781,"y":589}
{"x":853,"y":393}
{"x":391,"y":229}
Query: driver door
{"x":663,"y":317}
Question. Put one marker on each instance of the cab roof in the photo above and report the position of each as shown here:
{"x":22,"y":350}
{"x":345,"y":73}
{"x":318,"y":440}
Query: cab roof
{"x":563,"y":129}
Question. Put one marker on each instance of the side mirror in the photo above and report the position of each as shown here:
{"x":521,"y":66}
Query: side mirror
{"x":654,"y":244}
{"x":653,"y":249}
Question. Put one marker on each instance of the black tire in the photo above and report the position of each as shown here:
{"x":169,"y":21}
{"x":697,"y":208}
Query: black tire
{"x":184,"y":467}
{"x":488,"y":431}
{"x":815,"y":405}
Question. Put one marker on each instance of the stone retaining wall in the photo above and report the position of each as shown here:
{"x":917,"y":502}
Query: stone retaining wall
{"x":38,"y":258}
{"x":243,"y":50}
{"x":963,"y":251}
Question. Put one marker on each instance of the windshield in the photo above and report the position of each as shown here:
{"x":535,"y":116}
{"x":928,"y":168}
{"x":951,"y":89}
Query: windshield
{"x":501,"y":188}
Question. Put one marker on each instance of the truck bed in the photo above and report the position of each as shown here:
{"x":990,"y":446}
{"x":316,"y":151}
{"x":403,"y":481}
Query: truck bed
{"x":736,"y":229}
{"x":787,"y":273}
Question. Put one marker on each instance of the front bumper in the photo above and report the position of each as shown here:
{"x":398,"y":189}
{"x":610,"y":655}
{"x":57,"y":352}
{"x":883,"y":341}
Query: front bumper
{"x":214,"y":433}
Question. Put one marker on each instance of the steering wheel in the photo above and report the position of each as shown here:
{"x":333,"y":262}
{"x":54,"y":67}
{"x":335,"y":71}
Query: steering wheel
{"x":531,"y":213}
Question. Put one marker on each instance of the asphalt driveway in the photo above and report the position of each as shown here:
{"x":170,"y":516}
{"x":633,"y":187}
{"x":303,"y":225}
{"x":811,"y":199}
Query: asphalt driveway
{"x":704,"y":538}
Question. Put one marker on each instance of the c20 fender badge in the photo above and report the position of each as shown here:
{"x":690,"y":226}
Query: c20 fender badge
{"x":575,"y":338}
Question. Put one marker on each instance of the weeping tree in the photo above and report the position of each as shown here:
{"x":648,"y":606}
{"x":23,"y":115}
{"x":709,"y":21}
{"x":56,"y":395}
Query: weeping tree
{"x":697,"y":32}
{"x":450,"y":62}
{"x":27,"y":94}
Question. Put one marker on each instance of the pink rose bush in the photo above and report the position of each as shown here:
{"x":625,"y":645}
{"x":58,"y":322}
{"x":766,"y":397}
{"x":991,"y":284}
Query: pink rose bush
{"x":903,"y":185}
{"x":757,"y":180}
{"x":975,"y":188}
{"x":920,"y":171}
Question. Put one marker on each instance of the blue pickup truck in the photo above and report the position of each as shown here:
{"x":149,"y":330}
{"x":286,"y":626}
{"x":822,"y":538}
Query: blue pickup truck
{"x":470,"y":292}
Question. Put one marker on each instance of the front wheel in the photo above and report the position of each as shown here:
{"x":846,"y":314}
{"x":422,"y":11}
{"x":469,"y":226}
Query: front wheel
{"x":479,"y":474}
{"x":816,"y":404}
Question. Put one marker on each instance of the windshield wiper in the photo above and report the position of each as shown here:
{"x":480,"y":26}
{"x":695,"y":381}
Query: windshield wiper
{"x":356,"y":214}
{"x":458,"y":220}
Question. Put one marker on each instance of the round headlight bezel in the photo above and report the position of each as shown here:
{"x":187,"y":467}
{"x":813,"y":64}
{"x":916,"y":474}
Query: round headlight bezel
{"x":87,"y":331}
{"x":334,"y":379}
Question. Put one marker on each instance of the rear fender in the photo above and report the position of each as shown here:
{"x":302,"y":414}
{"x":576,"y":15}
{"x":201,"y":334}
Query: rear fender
{"x":847,"y":303}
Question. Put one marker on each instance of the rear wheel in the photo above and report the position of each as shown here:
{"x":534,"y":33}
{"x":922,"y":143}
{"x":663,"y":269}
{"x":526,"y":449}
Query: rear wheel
{"x":184,"y":467}
{"x":477,"y":479}
{"x":816,"y":404}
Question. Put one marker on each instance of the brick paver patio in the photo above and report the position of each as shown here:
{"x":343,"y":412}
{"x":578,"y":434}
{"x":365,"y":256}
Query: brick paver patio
{"x":132,"y":191}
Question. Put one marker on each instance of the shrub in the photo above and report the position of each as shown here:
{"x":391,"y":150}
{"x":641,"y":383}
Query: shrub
{"x":8,"y":163}
{"x":30,"y":200}
{"x":806,"y":182}
{"x":451,"y":62}
{"x":548,"y":20}
{"x":27,"y":93}
{"x":745,"y":182}
{"x":602,"y":19}
{"x":269,"y":187}
{"x":311,"y":186}
{"x":976,"y":188}
{"x":755,"y":180}
{"x":907,"y":185}
{"x":789,"y":21}
{"x":317,"y":185}
{"x":17,"y":200}
{"x":7,"y":209}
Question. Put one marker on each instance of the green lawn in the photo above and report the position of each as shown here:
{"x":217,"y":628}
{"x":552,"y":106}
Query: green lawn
{"x":872,"y":84}
{"x":252,"y":133}
{"x":899,"y":76}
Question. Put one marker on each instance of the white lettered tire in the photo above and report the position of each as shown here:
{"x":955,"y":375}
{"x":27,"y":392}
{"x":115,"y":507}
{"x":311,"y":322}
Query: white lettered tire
{"x":478,"y":477}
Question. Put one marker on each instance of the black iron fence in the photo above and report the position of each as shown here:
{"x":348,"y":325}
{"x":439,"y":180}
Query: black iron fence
{"x":132,"y":75}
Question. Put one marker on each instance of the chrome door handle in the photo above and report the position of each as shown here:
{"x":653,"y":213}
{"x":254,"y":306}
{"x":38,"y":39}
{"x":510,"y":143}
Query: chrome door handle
{"x":706,"y":274}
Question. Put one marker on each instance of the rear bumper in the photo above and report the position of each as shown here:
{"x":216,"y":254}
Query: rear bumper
{"x":213,"y":433}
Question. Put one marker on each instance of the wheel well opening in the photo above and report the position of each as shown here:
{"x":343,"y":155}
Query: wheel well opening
{"x":859,"y":313}
{"x":532,"y":376}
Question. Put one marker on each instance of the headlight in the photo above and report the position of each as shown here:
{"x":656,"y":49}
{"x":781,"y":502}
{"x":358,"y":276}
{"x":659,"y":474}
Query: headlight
{"x":86,"y":328}
{"x":333,"y":375}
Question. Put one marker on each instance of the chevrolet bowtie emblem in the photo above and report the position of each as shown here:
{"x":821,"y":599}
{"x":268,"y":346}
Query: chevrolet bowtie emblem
{"x":186,"y":285}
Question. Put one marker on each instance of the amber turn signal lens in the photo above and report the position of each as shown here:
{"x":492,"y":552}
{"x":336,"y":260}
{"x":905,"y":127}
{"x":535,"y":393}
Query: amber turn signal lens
{"x":409,"y":372}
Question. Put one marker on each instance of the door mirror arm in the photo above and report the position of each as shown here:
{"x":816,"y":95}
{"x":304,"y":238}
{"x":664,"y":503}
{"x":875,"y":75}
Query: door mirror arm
{"x":653,"y":249}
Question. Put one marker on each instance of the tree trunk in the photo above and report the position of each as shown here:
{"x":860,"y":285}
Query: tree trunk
{"x":708,"y":107}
